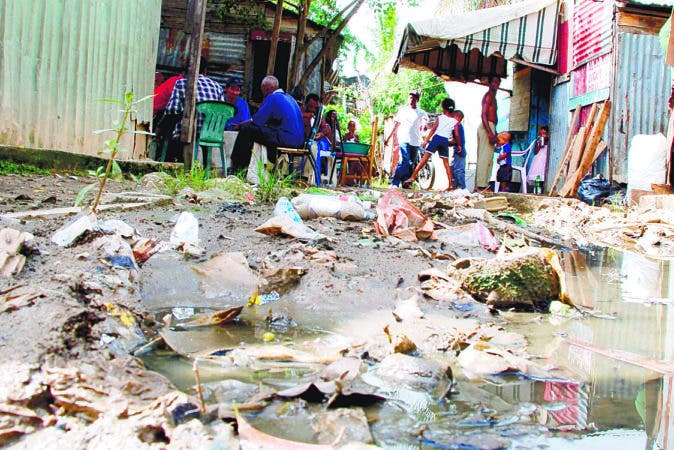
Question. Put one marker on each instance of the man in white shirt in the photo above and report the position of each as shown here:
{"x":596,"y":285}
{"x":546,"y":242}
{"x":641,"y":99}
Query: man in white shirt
{"x":408,"y":124}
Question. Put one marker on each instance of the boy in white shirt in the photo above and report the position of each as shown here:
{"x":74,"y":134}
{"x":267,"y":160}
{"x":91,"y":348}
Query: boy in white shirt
{"x":443,"y":133}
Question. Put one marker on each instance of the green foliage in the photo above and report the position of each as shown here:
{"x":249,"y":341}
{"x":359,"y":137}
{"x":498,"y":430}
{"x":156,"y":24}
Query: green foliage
{"x":115,"y":173}
{"x":177,"y":181}
{"x":128,"y":107}
{"x":246,"y":14}
{"x":81,"y":195}
{"x":272,"y":184}
{"x":10,"y":167}
{"x":389,"y":91}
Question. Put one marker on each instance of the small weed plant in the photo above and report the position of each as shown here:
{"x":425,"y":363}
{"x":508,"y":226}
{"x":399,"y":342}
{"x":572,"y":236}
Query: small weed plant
{"x":272,"y":184}
{"x":112,"y":148}
{"x":196,"y":179}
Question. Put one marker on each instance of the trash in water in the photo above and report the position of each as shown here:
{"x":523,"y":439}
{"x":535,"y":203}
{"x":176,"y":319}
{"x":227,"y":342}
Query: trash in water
{"x":262,"y":299}
{"x":182,"y":313}
{"x":211,"y":320}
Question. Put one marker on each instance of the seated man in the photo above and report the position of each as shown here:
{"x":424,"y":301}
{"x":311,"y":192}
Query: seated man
{"x":207,"y":89}
{"x":278,"y":123}
{"x":233,"y":96}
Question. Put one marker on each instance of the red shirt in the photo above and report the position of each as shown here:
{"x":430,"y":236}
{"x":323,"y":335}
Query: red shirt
{"x":162,"y":94}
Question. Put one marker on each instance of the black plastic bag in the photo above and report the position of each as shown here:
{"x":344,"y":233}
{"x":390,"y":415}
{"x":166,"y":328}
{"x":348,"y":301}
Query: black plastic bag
{"x":592,"y":190}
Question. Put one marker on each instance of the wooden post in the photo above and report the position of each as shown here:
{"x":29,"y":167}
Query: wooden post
{"x":271,"y":62}
{"x":196,"y":16}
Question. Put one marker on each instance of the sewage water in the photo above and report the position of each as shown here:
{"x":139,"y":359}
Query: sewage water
{"x":615,"y":390}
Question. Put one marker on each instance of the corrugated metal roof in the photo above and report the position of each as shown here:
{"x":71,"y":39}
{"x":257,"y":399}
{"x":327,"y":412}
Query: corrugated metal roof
{"x":59,"y":57}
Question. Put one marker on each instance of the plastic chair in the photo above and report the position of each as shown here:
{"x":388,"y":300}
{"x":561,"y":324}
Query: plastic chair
{"x":522,"y":169}
{"x":305,"y":151}
{"x":360,"y":156}
{"x":164,"y":129}
{"x":216,"y":114}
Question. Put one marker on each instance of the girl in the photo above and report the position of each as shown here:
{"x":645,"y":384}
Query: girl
{"x":443,"y":133}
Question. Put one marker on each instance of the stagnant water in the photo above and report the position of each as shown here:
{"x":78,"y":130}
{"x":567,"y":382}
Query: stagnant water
{"x":619,"y":396}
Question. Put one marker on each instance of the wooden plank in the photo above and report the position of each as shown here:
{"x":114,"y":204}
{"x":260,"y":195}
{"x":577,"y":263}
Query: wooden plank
{"x":591,"y":146}
{"x":576,"y":157}
{"x":566,"y":152}
{"x":600,"y":149}
{"x":577,"y":149}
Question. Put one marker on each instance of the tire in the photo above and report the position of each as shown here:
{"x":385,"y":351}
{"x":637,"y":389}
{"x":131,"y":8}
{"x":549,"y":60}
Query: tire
{"x":426,"y":176}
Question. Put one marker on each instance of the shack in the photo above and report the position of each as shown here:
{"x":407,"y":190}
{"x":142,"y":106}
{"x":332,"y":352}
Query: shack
{"x":60,"y":58}
{"x":564,"y":54}
{"x":478,"y":45}
{"x":610,"y":50}
{"x":237,"y":47}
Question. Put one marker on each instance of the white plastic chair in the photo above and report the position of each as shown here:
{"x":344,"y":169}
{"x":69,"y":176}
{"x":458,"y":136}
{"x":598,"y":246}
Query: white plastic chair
{"x":522,"y":169}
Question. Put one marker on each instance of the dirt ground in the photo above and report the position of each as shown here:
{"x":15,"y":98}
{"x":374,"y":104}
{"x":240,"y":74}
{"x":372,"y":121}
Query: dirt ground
{"x":63,"y":385}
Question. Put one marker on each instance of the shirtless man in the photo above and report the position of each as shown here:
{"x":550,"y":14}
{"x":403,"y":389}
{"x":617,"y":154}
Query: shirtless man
{"x":486,"y":135}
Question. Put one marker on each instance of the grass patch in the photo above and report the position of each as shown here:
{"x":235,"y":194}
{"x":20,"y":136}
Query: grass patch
{"x":12,"y":168}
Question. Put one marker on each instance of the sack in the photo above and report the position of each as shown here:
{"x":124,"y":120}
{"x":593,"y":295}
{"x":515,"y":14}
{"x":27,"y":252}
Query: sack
{"x":504,"y":173}
{"x":593,"y":190}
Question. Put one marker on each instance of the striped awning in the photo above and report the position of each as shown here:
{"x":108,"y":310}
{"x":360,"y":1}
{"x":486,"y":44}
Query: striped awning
{"x":527,"y":31}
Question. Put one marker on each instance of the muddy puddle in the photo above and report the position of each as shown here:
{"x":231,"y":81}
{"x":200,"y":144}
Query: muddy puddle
{"x":614,"y":390}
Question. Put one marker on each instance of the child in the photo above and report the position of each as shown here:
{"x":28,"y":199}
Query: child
{"x":537,"y":167}
{"x":504,"y":160}
{"x":459,"y":161}
{"x":439,"y":135}
{"x":351,"y":135}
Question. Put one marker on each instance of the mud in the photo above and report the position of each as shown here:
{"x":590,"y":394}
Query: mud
{"x":75,"y":389}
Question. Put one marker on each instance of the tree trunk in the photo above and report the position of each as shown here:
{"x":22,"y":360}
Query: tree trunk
{"x":196,"y":16}
{"x":330,"y":41}
{"x":303,"y":10}
{"x":271,"y":62}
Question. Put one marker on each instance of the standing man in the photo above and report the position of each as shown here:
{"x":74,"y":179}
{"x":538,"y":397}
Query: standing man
{"x":486,"y":135}
{"x":278,"y":123}
{"x":233,"y":97}
{"x":408,"y":124}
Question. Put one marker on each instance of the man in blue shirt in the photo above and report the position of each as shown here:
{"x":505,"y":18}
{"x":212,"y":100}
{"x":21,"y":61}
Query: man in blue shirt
{"x":278,"y":123}
{"x":233,"y":96}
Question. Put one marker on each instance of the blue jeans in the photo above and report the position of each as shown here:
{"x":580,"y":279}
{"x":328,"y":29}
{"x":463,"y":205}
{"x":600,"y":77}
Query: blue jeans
{"x":408,"y":157}
{"x":459,"y":172}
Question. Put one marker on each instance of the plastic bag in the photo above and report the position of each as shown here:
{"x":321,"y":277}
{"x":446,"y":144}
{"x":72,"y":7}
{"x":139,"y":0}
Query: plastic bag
{"x":593,"y":190}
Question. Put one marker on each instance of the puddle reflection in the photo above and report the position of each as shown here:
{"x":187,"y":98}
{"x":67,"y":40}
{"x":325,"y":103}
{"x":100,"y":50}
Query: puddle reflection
{"x":615,"y":389}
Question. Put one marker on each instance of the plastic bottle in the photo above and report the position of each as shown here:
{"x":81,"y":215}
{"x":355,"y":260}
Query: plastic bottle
{"x":285,"y":208}
{"x":309,"y":206}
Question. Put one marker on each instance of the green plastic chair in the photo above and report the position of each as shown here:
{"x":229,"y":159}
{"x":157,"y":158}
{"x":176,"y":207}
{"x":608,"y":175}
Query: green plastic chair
{"x":216,"y":114}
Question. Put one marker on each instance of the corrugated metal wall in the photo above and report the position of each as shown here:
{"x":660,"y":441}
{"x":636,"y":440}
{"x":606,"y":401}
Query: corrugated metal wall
{"x":226,"y":53}
{"x":640,"y":92}
{"x":559,"y":128}
{"x":59,"y":57}
{"x":592,"y":25}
